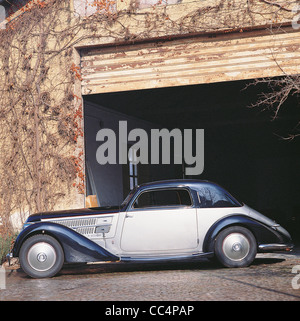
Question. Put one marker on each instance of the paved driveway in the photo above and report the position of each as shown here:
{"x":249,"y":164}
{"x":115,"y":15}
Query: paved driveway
{"x":271,"y":277}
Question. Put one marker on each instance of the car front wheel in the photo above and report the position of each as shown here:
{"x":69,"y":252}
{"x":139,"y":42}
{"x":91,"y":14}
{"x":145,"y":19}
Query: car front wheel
{"x":235,"y":247}
{"x":41,"y":256}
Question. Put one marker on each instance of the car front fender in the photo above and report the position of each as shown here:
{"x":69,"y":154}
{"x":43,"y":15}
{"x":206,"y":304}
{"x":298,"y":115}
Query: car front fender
{"x":262,"y":233}
{"x":77,"y":248}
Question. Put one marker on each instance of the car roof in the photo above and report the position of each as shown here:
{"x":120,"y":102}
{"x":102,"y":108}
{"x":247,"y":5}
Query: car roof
{"x":174,"y":183}
{"x":193,"y":183}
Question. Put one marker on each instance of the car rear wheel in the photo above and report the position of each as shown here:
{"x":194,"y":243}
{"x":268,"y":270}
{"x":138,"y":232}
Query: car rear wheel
{"x":235,"y":247}
{"x":41,"y":256}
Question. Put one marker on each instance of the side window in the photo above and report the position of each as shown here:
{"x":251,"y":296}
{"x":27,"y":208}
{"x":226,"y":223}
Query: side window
{"x":163,"y":198}
{"x":214,"y":196}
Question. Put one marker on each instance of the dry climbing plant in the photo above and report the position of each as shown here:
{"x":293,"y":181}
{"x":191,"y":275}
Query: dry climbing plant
{"x":41,"y":134}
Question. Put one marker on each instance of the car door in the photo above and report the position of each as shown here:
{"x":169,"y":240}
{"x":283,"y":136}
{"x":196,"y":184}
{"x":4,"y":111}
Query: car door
{"x":160,"y":222}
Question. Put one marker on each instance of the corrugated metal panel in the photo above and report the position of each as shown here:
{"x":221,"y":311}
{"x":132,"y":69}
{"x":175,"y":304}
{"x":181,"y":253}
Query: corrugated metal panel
{"x":189,"y":61}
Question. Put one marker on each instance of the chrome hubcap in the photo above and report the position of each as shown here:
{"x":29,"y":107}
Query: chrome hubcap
{"x":236,"y":246}
{"x":41,"y":256}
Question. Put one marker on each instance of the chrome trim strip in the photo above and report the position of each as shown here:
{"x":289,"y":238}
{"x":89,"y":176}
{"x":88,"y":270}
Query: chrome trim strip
{"x":275,"y":247}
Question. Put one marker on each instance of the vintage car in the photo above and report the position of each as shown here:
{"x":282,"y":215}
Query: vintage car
{"x":158,"y":221}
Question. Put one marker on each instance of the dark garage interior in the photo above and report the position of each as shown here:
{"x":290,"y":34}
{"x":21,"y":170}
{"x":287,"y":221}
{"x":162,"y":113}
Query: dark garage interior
{"x":244,"y":150}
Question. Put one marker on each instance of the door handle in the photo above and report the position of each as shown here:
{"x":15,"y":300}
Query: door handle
{"x":129,"y":215}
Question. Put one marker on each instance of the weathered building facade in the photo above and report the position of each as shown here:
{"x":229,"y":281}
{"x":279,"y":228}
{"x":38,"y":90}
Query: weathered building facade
{"x":154,"y":64}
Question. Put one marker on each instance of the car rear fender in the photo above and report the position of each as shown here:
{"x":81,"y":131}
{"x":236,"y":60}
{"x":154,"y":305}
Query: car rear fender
{"x":262,"y":233}
{"x":77,"y":248}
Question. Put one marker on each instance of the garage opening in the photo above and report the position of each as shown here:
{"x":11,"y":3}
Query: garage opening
{"x":111,"y":182}
{"x":243,"y":150}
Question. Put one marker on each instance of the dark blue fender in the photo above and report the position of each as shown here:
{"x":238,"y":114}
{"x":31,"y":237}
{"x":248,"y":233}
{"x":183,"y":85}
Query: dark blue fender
{"x":263,"y":234}
{"x":77,"y":248}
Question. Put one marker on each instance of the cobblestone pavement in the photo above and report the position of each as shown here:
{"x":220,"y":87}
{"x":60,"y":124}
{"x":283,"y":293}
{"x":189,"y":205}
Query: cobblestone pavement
{"x":270,"y":277}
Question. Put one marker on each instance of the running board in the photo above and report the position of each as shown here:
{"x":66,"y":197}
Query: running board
{"x":167,"y":259}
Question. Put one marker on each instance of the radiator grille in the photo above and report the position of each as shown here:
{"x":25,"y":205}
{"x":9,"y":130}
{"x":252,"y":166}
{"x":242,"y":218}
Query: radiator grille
{"x":82,"y":222}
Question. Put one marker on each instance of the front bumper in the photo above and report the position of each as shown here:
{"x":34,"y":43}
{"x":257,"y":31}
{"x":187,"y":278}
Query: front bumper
{"x":9,"y":256}
{"x":275,"y":247}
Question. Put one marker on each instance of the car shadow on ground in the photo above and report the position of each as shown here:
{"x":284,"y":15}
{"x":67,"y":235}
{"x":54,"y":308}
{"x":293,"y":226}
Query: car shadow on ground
{"x":115,"y":267}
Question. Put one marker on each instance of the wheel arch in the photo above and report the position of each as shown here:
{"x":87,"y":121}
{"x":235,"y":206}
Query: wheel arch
{"x":262,"y":233}
{"x":76,"y":247}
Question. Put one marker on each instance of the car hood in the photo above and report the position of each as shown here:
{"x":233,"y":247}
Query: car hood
{"x":71,"y":213}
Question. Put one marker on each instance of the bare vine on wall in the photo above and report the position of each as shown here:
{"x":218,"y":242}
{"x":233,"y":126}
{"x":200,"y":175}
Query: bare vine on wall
{"x":41,"y":135}
{"x":38,"y":112}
